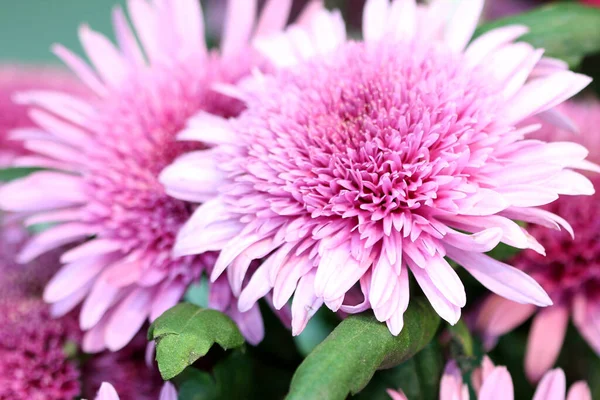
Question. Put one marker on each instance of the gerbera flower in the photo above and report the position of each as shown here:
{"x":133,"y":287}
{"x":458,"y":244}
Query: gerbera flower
{"x":362,"y":161}
{"x":15,"y":78}
{"x":33,"y":362}
{"x":493,"y":382}
{"x":108,"y":392}
{"x":109,"y":151}
{"x":571,"y":271}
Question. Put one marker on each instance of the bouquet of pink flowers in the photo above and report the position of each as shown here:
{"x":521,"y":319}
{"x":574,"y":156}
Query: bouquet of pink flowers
{"x":306,"y":200}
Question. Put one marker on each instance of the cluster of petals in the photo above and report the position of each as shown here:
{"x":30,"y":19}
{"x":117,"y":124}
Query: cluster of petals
{"x":359,"y":161}
{"x":108,"y":392}
{"x":33,"y":363}
{"x":571,"y":271}
{"x":105,"y":151}
{"x":492,"y":382}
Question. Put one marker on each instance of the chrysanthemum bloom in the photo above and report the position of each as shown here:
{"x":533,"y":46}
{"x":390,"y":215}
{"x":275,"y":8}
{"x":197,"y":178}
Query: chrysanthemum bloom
{"x":493,"y":382}
{"x":109,"y":151}
{"x":33,"y":362}
{"x":108,"y":392}
{"x":571,"y":271}
{"x":364,"y":160}
{"x":15,"y":78}
{"x":125,"y":369}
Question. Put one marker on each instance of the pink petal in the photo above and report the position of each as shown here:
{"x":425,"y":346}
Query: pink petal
{"x":579,"y":391}
{"x":73,"y":276}
{"x":402,"y":19}
{"x":250,"y":324}
{"x":166,"y":297}
{"x":501,"y":278}
{"x":81,"y":69}
{"x":499,"y":316}
{"x":107,"y":392}
{"x":105,"y":57}
{"x":53,"y":238}
{"x":168,"y":392}
{"x":208,"y":128}
{"x":239,"y":23}
{"x":102,"y":296}
{"x":374,"y":13}
{"x":490,"y":41}
{"x":397,"y":395}
{"x":188,"y":23}
{"x":128,"y":318}
{"x":497,"y":386}
{"x":441,"y":305}
{"x":552,"y":387}
{"x":273,"y":17}
{"x":42,"y":191}
{"x":305,"y":304}
{"x":92,"y":248}
{"x":126,"y":39}
{"x":546,"y":337}
{"x":145,"y":22}
{"x":462,"y":24}
{"x":64,"y":306}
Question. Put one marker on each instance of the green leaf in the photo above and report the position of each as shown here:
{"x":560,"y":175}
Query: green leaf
{"x":9,"y":174}
{"x":568,"y":31}
{"x":193,"y":384}
{"x":346,"y":361}
{"x":186,"y":332}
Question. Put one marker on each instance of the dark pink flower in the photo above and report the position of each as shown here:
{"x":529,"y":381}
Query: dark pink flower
{"x":106,"y":154}
{"x":360,"y":161}
{"x":33,"y":362}
{"x":570,"y":272}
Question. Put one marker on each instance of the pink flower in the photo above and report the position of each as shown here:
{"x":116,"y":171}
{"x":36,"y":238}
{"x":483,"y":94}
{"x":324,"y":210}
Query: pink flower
{"x":493,"y":382}
{"x":17,"y":78}
{"x":360,"y":161}
{"x":33,"y":363}
{"x":109,"y":151}
{"x":108,"y":392}
{"x":570,"y":272}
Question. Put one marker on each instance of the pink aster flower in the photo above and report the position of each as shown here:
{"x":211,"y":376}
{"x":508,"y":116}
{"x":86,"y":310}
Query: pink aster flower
{"x":570,"y":272}
{"x":33,"y":363}
{"x":106,"y":154}
{"x":108,"y":392}
{"x":16,"y":78}
{"x":493,"y":382}
{"x":361,"y":161}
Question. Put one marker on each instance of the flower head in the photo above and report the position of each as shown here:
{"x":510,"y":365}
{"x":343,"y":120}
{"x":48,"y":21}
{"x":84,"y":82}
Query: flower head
{"x":33,"y":362}
{"x":17,"y":78}
{"x":570,"y":272}
{"x":360,"y":161}
{"x":493,"y":382}
{"x":108,"y":152}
